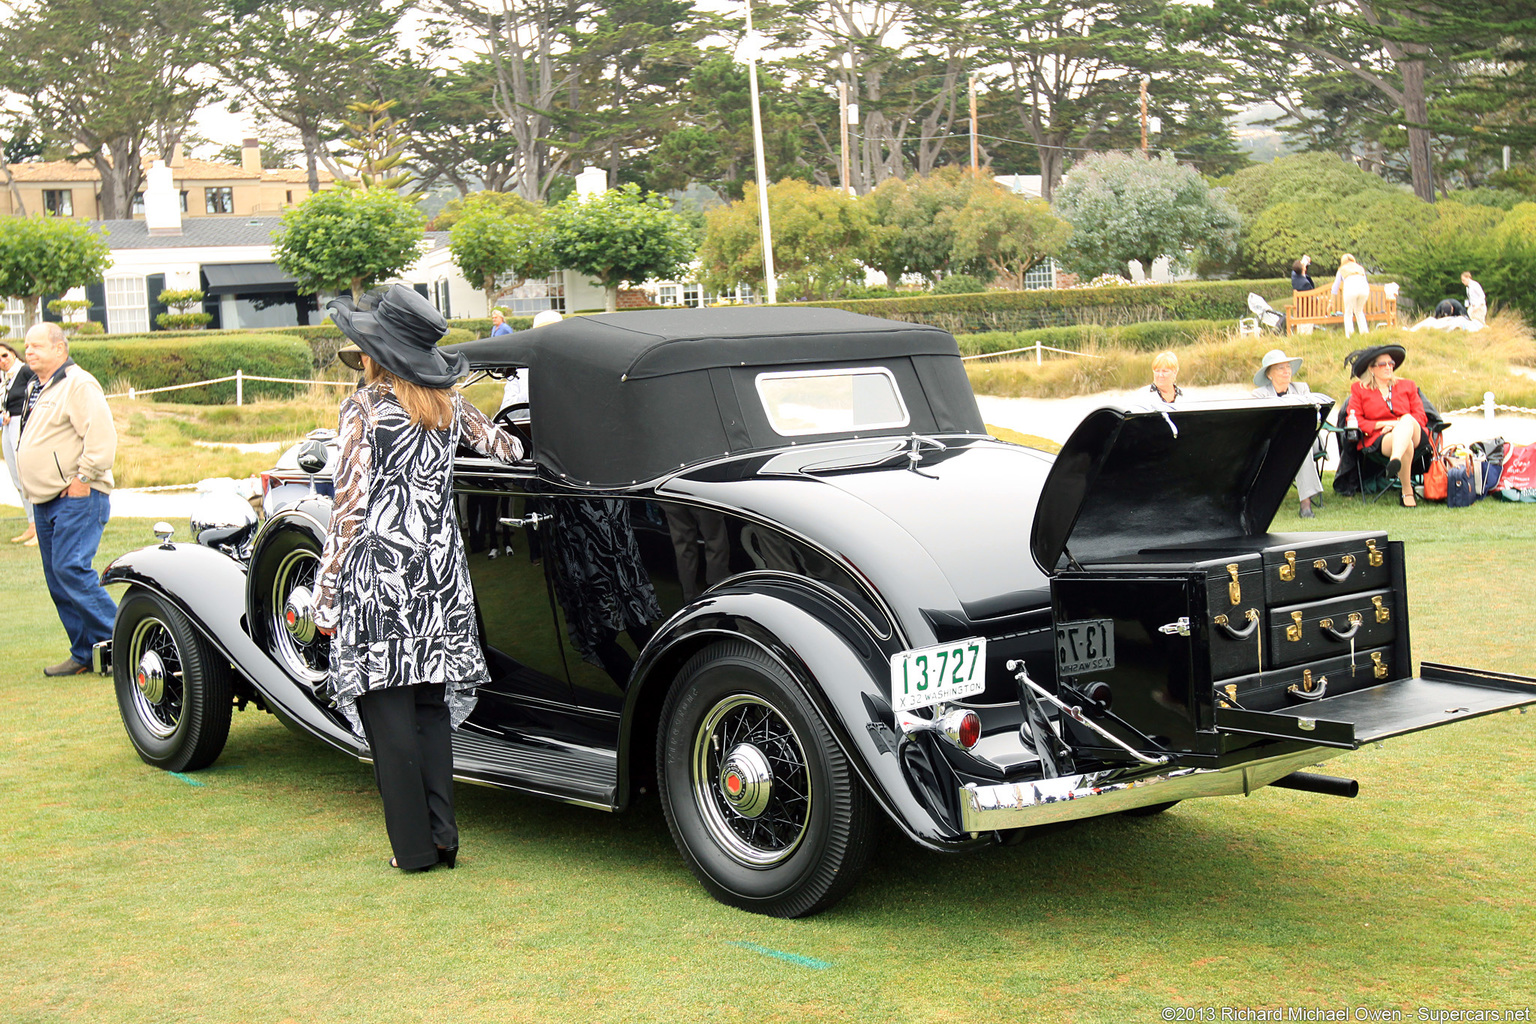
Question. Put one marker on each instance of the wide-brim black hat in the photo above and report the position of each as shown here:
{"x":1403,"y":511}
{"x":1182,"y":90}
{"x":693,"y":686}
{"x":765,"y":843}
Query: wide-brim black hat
{"x":399,"y":329}
{"x":1361,"y":359}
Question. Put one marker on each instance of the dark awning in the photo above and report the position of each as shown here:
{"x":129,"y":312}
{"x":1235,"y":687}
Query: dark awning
{"x":246,"y":279}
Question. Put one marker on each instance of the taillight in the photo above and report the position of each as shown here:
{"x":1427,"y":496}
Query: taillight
{"x":962,"y":728}
{"x":266,"y":483}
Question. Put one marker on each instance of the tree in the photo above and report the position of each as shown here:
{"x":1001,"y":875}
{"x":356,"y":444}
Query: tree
{"x":916,"y":227}
{"x":348,"y":239}
{"x":499,"y":234}
{"x":1009,"y":233}
{"x":378,"y":147}
{"x":820,"y":237}
{"x":622,"y":235}
{"x":1124,"y":208}
{"x":43,"y":255}
{"x":299,"y":62}
{"x":115,"y":77}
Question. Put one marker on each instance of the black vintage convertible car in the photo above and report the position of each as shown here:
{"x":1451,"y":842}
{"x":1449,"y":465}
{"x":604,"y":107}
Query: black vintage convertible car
{"x":770,"y":563}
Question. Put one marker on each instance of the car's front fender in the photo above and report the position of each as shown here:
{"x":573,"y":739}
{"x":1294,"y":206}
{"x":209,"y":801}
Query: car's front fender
{"x":833,"y":657}
{"x":208,"y":587}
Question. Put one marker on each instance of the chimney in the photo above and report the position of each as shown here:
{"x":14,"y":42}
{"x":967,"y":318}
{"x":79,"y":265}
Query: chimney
{"x":178,"y":158}
{"x":250,"y":155}
{"x":591,"y":182}
{"x":162,"y":204}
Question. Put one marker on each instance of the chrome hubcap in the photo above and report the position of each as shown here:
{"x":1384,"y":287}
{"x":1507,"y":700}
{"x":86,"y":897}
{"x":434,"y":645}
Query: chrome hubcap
{"x":750,"y":781}
{"x":299,"y":615}
{"x":746,"y":781}
{"x":151,"y":677}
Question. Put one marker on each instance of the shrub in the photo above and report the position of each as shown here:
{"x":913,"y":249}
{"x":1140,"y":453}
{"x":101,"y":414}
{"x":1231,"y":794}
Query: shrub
{"x":1157,"y":336}
{"x":183,"y":301}
{"x":959,"y":284}
{"x":1057,"y":307}
{"x":154,"y":362}
{"x":89,"y":327}
{"x":1152,"y":336}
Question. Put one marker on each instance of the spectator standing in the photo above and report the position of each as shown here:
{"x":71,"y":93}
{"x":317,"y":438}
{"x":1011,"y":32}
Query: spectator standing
{"x":1355,"y":289}
{"x":1477,"y":302}
{"x":499,"y":323}
{"x":64,"y":455}
{"x":1300,"y":280}
{"x":1275,"y":379}
{"x":15,"y":375}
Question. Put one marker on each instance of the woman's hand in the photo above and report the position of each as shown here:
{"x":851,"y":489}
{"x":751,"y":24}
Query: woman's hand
{"x":325,"y":632}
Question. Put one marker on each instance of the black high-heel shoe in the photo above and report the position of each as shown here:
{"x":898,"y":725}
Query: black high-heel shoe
{"x":448,"y":855}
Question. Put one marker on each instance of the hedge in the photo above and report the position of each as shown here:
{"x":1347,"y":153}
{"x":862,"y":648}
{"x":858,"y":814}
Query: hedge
{"x":1057,"y":307}
{"x":154,"y":363}
{"x":324,"y":340}
{"x":1151,"y":336}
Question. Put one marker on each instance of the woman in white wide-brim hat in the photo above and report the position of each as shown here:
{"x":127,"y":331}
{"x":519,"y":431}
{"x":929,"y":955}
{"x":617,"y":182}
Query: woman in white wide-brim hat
{"x":394,"y":589}
{"x":1275,"y":379}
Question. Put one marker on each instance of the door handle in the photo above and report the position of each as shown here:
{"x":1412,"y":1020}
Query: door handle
{"x":531,"y":520}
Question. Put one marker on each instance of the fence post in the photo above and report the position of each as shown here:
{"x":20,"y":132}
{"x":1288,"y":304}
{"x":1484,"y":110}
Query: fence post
{"x":239,"y":387}
{"x":1488,"y":405}
{"x":1037,"y":352}
{"x":131,"y":395}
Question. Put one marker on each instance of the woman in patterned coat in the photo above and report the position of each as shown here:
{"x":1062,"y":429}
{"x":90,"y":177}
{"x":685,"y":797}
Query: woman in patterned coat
{"x":394,"y":589}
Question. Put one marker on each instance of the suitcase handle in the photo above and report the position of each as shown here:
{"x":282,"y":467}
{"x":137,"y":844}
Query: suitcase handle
{"x":1239,"y":634}
{"x":1348,"y":563}
{"x":1355,"y":619}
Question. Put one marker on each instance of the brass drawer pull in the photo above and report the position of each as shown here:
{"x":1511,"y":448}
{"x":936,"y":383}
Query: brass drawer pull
{"x":1252,"y":617}
{"x":1355,"y":619}
{"x":1308,"y":690}
{"x":1348,"y":563}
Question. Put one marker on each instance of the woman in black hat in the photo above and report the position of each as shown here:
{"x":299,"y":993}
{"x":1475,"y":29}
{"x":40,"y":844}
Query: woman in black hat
{"x":1390,"y":413}
{"x":394,"y":587}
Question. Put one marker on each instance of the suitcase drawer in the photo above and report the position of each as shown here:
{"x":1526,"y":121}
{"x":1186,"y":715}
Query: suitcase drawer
{"x":1311,"y":570}
{"x":1297,"y":684}
{"x":1323,"y":629}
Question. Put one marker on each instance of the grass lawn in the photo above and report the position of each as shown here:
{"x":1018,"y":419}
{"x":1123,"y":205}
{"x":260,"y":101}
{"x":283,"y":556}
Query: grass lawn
{"x":256,"y":890}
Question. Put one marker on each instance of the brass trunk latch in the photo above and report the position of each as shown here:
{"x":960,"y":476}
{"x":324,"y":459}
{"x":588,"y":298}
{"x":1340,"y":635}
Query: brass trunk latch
{"x":1378,"y":667}
{"x":1234,"y":589}
{"x":1376,"y":556}
{"x":1293,"y":631}
{"x":1383,"y":613}
{"x":1288,"y":570}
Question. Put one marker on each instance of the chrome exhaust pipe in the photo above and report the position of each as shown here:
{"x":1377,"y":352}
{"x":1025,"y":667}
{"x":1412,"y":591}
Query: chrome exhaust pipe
{"x":1311,"y":782}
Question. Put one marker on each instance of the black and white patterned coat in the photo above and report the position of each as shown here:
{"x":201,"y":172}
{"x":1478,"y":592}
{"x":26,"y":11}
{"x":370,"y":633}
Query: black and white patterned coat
{"x":393,"y":582}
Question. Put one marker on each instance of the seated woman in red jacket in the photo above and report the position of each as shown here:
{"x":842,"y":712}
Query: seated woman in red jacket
{"x":1390,"y":414}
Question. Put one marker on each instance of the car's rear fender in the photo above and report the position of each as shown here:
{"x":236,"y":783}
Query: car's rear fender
{"x":828,"y":651}
{"x":208,"y":587}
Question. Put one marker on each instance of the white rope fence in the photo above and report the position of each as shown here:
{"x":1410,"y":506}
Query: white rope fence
{"x":1488,"y":407}
{"x":239,"y":377}
{"x":1036,"y":348}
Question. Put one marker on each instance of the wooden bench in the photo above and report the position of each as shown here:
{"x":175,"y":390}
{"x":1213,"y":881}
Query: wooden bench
{"x":1320,"y":306}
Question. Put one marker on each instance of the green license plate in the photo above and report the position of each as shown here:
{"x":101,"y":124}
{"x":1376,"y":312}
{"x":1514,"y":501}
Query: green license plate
{"x":933,"y":675}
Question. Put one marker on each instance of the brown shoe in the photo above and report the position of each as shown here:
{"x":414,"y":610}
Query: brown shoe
{"x":67,"y":667}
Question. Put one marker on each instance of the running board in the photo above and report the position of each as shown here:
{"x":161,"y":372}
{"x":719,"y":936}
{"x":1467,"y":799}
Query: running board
{"x":570,"y":774}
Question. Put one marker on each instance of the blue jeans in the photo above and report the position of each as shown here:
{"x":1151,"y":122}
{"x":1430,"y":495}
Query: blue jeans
{"x":68,"y":533}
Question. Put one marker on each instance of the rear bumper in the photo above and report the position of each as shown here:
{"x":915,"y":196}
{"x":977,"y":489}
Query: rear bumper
{"x":1071,"y":797}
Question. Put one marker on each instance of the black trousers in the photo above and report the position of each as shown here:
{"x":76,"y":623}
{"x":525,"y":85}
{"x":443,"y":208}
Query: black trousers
{"x":410,"y":735}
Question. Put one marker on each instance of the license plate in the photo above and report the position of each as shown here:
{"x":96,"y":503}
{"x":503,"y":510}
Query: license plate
{"x":932,"y":675}
{"x":1087,"y":645}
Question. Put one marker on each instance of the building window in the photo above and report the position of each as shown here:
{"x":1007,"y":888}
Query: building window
{"x":138,"y":202}
{"x":220,"y":200}
{"x":536,"y":296}
{"x":59,"y":201}
{"x":289,"y":194}
{"x":1041,"y":275}
{"x":691,"y":294}
{"x":668,"y":295}
{"x":13,"y":321}
{"x":127,"y":309}
{"x":440,"y":298}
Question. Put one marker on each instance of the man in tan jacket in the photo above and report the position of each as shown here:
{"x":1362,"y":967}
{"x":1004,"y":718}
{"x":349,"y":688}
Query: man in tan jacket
{"x":64,"y":456}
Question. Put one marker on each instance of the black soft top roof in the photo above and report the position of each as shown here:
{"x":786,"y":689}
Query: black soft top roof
{"x":620,"y":398}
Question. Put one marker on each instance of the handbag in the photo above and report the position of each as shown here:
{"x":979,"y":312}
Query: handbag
{"x":1435,"y":479}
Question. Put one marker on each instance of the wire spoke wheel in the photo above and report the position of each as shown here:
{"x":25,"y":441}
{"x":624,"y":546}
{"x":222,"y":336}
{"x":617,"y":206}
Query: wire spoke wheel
{"x":174,"y":690}
{"x":761,"y":801}
{"x":289,"y":609}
